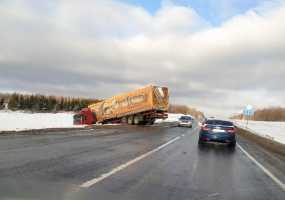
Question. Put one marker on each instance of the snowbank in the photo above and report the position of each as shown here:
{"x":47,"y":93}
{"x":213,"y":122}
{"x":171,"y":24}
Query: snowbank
{"x":171,"y":118}
{"x":18,"y":121}
{"x":272,"y":130}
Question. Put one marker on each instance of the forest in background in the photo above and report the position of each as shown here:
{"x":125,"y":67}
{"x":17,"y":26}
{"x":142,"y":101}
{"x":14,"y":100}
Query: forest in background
{"x":266,"y":114}
{"x":186,"y":110}
{"x":43,"y":103}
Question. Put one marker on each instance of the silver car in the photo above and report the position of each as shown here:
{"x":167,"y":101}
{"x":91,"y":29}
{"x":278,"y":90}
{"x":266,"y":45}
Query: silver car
{"x":186,"y":121}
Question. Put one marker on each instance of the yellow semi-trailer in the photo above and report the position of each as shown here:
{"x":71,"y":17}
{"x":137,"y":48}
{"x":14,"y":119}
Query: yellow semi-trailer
{"x":141,"y":106}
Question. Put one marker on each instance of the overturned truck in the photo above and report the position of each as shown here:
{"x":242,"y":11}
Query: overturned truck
{"x":141,"y":106}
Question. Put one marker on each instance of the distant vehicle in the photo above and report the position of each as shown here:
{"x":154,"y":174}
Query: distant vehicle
{"x":141,"y":106}
{"x":186,"y":121}
{"x":220,"y":131}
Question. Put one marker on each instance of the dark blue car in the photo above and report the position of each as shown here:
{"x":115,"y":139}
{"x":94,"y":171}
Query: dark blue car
{"x":220,"y":131}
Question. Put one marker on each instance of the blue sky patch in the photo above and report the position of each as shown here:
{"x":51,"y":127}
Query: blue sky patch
{"x":214,"y":11}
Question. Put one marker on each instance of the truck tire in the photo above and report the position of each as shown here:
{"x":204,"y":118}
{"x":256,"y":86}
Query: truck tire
{"x":232,"y":145}
{"x":130,"y":120}
{"x":144,"y":122}
{"x":124,"y":120}
{"x":138,"y":119}
{"x":151,"y":122}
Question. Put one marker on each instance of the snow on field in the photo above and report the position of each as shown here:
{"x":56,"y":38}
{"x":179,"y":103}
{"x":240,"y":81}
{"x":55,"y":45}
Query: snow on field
{"x":271,"y":130}
{"x":18,"y":121}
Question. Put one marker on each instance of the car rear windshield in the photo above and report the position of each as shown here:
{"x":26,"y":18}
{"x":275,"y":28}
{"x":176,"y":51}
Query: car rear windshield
{"x":185,"y":118}
{"x":219,"y":122}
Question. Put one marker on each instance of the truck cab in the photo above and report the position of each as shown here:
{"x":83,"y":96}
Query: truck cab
{"x":84,"y":117}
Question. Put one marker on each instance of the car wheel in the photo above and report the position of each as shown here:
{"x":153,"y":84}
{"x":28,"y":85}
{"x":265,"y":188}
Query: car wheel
{"x":201,"y":142}
{"x":232,"y":144}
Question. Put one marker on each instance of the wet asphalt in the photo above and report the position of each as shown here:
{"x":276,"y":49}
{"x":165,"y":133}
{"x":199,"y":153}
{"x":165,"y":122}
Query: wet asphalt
{"x":54,"y":165}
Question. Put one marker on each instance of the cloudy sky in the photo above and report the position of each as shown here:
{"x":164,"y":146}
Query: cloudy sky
{"x":215,"y":55}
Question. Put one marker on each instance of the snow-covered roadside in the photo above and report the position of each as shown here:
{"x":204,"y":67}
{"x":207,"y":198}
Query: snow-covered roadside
{"x":19,"y":121}
{"x":272,"y":130}
{"x":171,"y":118}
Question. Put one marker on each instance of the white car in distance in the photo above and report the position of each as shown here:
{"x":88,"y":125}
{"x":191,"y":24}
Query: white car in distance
{"x":186,"y":121}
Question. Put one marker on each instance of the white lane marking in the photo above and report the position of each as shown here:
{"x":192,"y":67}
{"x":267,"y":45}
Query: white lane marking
{"x":85,"y":130}
{"x":91,"y":182}
{"x":265,"y":170}
{"x":213,"y":194}
{"x":196,"y":128}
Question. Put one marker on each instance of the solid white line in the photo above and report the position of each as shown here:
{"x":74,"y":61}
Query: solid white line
{"x":265,"y":170}
{"x":123,"y":166}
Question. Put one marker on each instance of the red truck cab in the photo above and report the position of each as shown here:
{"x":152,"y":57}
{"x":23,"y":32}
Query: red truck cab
{"x":84,"y":117}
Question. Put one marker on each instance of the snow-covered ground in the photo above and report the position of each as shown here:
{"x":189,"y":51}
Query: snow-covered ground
{"x":271,"y":130}
{"x":171,"y":118}
{"x":18,"y":121}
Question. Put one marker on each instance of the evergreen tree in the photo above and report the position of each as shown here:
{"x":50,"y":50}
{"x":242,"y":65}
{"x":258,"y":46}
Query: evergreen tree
{"x":13,"y":102}
{"x":51,"y":103}
{"x":61,"y":103}
{"x":38,"y":103}
{"x":2,"y":103}
{"x":21,"y":105}
{"x":32,"y":103}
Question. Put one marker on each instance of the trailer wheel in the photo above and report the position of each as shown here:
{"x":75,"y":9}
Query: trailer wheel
{"x":143,"y":122}
{"x":130,"y":120}
{"x":151,"y":122}
{"x":124,"y":120}
{"x":137,"y":120}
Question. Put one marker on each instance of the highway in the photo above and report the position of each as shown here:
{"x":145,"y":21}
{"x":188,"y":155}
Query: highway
{"x":127,"y":163}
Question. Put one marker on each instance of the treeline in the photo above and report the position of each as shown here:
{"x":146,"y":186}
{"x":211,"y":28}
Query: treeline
{"x":2,"y":101}
{"x":42,"y":103}
{"x":266,"y":114}
{"x":185,"y":110}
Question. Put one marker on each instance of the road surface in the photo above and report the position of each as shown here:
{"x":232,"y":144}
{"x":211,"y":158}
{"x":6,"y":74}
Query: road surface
{"x":127,"y":163}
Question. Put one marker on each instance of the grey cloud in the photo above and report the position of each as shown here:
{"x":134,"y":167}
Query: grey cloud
{"x":97,"y":49}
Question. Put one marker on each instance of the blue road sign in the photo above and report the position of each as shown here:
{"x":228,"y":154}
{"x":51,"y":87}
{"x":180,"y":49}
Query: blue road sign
{"x":248,"y":111}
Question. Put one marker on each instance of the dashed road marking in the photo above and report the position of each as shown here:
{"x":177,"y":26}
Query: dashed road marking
{"x":264,"y":169}
{"x":93,"y":181}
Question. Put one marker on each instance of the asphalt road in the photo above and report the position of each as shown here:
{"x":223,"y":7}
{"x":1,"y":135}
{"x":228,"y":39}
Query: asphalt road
{"x":127,"y":163}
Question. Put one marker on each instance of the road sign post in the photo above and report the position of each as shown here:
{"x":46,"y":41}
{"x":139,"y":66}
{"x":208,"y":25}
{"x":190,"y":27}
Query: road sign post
{"x":248,"y":112}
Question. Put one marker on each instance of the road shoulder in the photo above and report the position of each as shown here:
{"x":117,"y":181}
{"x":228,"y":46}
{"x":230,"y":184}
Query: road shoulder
{"x":269,"y":153}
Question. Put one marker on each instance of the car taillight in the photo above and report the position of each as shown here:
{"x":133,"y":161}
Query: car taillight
{"x":231,"y":130}
{"x":205,"y":128}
